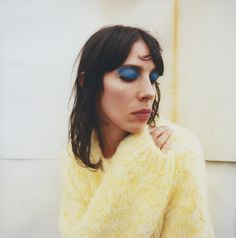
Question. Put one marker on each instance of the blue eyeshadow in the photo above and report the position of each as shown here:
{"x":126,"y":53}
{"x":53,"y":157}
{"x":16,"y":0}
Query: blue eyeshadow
{"x":127,"y":73}
{"x":154,"y":76}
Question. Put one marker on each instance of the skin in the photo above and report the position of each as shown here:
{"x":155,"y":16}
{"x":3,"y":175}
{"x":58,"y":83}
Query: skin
{"x":160,"y":136}
{"x":121,"y":98}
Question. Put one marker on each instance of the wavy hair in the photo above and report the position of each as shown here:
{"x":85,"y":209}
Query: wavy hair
{"x":103,"y":52}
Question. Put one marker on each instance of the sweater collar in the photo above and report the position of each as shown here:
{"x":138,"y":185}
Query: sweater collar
{"x":124,"y":146}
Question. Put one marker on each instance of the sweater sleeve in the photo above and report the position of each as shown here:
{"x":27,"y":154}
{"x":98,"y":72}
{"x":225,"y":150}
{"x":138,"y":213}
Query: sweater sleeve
{"x":74,"y":195}
{"x":187,"y":212}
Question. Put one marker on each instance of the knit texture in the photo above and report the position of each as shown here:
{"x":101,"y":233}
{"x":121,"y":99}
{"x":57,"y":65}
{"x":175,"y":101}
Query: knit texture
{"x":141,"y":193}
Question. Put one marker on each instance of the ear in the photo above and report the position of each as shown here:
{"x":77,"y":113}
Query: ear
{"x":81,"y":79}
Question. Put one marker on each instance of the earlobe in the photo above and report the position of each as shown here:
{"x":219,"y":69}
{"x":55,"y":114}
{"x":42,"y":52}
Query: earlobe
{"x":81,"y":79}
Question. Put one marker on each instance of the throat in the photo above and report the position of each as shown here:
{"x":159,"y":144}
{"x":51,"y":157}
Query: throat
{"x":109,"y":146}
{"x":109,"y":141}
{"x":107,"y":154}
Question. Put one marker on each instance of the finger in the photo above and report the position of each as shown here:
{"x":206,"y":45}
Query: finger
{"x":157,"y":131}
{"x":161,"y":132}
{"x":165,"y":148}
{"x":162,"y":139}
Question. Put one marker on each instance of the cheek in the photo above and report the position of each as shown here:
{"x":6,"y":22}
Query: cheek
{"x":116,"y":98}
{"x":115,"y":101}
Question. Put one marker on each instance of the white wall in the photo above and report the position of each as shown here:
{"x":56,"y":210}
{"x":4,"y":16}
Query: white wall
{"x":221,"y":184}
{"x":207,"y":86}
{"x":39,"y":43}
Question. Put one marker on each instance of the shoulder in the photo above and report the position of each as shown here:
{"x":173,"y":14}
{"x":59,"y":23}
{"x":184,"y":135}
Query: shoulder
{"x":179,"y":131}
{"x":70,"y":169}
{"x":182,"y":140}
{"x":187,"y":150}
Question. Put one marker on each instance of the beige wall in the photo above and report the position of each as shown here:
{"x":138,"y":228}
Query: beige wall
{"x":207,"y":86}
{"x":38,"y":44}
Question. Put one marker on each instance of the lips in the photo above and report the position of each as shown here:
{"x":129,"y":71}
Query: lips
{"x":142,"y":111}
{"x":142,"y":115}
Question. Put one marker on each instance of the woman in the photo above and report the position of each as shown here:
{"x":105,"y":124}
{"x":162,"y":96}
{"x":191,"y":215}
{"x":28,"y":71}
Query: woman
{"x":119,"y":180}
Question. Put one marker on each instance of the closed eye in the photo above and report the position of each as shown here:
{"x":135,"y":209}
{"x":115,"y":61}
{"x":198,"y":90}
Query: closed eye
{"x":130,"y":73}
{"x":127,"y":73}
{"x":154,"y":76}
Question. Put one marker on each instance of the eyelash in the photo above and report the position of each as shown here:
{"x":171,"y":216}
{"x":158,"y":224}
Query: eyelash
{"x":129,"y":79}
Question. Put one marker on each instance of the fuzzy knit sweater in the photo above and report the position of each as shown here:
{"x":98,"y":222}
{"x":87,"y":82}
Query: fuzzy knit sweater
{"x":141,"y":193}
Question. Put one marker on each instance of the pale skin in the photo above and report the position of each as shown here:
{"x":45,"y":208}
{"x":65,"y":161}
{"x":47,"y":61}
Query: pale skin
{"x":160,"y":136}
{"x":121,"y":98}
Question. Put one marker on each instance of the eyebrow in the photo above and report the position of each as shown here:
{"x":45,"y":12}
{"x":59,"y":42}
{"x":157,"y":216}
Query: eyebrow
{"x":145,"y":57}
{"x":137,"y":67}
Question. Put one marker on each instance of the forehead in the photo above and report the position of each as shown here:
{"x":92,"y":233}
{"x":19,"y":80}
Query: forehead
{"x":138,"y":53}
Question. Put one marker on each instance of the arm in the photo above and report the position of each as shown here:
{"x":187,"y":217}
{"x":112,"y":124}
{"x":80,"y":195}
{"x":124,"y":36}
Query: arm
{"x":74,"y":195}
{"x":128,"y":202}
{"x":187,"y":213}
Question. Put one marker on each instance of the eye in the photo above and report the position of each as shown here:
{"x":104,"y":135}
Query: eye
{"x":127,"y":73}
{"x":154,"y":76}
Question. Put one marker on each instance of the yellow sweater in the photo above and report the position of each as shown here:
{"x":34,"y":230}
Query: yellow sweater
{"x":141,"y":193}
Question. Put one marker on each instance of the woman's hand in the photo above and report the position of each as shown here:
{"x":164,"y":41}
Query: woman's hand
{"x":160,"y":136}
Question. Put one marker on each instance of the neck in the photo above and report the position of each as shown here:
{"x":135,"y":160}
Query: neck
{"x":110,"y":138}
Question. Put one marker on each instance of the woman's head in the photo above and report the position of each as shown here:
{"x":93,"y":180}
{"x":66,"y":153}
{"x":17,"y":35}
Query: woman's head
{"x":116,"y":77}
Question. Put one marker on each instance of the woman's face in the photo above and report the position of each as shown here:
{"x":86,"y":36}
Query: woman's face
{"x":129,"y":92}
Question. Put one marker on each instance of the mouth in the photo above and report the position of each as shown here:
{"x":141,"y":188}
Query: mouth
{"x":142,"y":111}
{"x":142,"y":115}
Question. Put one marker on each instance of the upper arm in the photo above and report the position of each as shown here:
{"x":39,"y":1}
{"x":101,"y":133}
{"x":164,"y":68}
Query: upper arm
{"x":187,"y":213}
{"x":74,"y":196}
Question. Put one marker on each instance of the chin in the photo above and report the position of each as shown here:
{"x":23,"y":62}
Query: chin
{"x":137,"y":129}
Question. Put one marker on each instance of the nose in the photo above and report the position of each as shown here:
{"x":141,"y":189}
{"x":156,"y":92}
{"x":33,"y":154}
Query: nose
{"x":147,"y":90}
